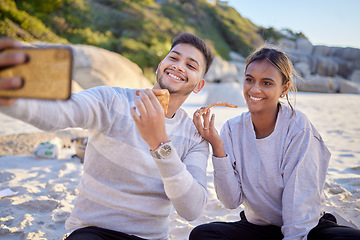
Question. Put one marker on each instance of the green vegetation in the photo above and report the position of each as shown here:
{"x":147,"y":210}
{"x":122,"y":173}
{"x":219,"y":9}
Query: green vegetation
{"x":140,"y":30}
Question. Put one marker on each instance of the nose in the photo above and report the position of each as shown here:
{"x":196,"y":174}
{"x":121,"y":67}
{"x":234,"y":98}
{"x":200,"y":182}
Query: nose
{"x":256,"y":88}
{"x":178,"y":66}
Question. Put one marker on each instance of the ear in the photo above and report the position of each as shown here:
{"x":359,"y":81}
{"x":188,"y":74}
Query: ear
{"x":158,"y":67}
{"x":286,"y":88}
{"x":199,"y":86}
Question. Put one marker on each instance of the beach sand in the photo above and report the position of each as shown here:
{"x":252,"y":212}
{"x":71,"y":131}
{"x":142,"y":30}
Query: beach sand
{"x":45,"y":189}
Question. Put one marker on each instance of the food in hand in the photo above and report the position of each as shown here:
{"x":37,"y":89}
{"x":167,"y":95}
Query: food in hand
{"x":203,"y":110}
{"x":162,"y":95}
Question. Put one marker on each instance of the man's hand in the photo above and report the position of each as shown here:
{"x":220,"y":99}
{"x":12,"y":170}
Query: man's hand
{"x":151,"y":121}
{"x":7,"y":60}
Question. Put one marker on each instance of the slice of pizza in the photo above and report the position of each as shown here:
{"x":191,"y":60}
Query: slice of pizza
{"x":203,"y":110}
{"x":162,"y":95}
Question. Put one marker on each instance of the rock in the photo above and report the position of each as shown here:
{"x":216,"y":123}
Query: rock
{"x":326,"y":66}
{"x":322,"y":50}
{"x":337,"y":82}
{"x":355,"y":76}
{"x":286,"y":44}
{"x":237,"y":57}
{"x":350,"y":54}
{"x":324,"y":60}
{"x":303,"y":69}
{"x":315,"y":84}
{"x":75,"y":87}
{"x":349,"y":87}
{"x":96,"y":66}
{"x":93,"y":66}
{"x":304,"y":46}
{"x":222,"y":71}
{"x":229,"y":92}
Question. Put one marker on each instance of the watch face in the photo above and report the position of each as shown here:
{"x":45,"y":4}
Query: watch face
{"x":165,"y":150}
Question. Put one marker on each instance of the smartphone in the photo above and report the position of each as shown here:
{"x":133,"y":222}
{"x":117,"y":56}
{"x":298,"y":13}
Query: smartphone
{"x":46,"y":74}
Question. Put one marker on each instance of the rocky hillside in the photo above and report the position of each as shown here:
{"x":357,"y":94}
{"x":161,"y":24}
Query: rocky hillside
{"x":139,"y":30}
{"x":142,"y":30}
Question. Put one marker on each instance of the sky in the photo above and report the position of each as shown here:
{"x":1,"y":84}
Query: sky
{"x":334,"y":23}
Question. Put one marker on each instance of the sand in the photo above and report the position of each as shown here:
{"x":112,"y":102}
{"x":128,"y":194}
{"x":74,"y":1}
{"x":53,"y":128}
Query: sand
{"x":45,"y":189}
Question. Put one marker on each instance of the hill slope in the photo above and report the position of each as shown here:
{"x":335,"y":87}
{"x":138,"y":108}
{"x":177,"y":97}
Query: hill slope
{"x":140,"y":30}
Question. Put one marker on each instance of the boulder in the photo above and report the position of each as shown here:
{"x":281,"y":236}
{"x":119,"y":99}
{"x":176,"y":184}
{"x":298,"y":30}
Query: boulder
{"x":322,"y":50}
{"x":315,"y":84}
{"x":325,"y":66}
{"x":355,"y":76}
{"x":349,"y":87}
{"x":222,"y":71}
{"x":350,"y":54}
{"x":93,"y":66}
{"x":236,"y":57}
{"x":96,"y":66}
{"x":286,"y":44}
{"x":229,"y":92}
{"x":303,"y":69}
{"x":75,"y":87}
{"x":304,"y":46}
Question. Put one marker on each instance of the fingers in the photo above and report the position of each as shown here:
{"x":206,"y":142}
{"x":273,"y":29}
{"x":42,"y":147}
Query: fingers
{"x":212,"y":122}
{"x":197,"y":121}
{"x":10,"y":83}
{"x":8,"y":59}
{"x":7,"y":101}
{"x":134,"y":114}
{"x":9,"y":43}
{"x":207,"y":124}
{"x":206,"y":120}
{"x":147,"y":103}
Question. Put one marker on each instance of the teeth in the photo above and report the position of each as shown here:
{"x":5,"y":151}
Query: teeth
{"x":173,"y":76}
{"x":255,"y":98}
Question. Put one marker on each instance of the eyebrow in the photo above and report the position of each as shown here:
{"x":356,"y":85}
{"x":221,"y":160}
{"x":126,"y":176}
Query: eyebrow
{"x":191,"y":59}
{"x":269,"y":79}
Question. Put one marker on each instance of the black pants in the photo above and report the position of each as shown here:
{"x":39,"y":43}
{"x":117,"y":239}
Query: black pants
{"x":327,"y":229}
{"x":95,"y":233}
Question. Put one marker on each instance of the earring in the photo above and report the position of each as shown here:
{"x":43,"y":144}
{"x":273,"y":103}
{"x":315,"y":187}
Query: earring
{"x":282,"y":95}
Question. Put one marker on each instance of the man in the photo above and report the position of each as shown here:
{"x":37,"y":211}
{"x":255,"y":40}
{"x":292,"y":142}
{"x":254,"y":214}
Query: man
{"x":138,"y":161}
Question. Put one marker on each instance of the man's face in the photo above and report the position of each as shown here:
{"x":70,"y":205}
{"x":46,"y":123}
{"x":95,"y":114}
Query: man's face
{"x":182,"y":69}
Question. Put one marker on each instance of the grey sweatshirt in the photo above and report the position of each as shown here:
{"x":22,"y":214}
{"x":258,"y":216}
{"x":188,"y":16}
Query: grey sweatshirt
{"x":123,"y":188}
{"x":280,"y":178}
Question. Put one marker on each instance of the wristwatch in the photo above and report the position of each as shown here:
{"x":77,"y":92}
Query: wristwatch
{"x":163,"y":151}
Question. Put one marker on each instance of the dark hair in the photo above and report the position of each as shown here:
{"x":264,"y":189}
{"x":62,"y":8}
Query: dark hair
{"x":281,"y":61}
{"x":196,"y":42}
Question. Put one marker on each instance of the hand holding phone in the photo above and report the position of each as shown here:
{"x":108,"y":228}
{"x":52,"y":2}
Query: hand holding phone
{"x":46,"y":74}
{"x":7,"y":60}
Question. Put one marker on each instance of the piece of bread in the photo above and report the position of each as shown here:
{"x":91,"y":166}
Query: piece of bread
{"x":162,"y":95}
{"x":203,"y":110}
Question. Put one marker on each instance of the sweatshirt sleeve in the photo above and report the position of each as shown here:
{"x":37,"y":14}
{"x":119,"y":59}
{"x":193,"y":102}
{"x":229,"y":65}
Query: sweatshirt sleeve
{"x":225,"y":175}
{"x":185,"y":180}
{"x":304,"y":171}
{"x":87,"y":109}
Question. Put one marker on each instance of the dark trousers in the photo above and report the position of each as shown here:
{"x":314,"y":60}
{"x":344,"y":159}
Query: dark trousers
{"x":95,"y":233}
{"x":327,"y":229}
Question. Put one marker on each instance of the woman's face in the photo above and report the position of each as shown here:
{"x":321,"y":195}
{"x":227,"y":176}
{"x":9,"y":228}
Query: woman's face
{"x":263,"y":87}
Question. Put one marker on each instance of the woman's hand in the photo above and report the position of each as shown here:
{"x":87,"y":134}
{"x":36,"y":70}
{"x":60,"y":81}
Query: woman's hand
{"x":208,"y":131}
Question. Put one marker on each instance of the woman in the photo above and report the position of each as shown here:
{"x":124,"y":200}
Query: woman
{"x":272,"y":160}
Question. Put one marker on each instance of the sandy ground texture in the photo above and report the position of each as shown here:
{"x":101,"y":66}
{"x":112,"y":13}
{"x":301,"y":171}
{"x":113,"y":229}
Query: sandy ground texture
{"x":45,"y":189}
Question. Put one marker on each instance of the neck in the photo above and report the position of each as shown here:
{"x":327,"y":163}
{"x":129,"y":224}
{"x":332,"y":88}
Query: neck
{"x":175,"y":103}
{"x":264,"y":123}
